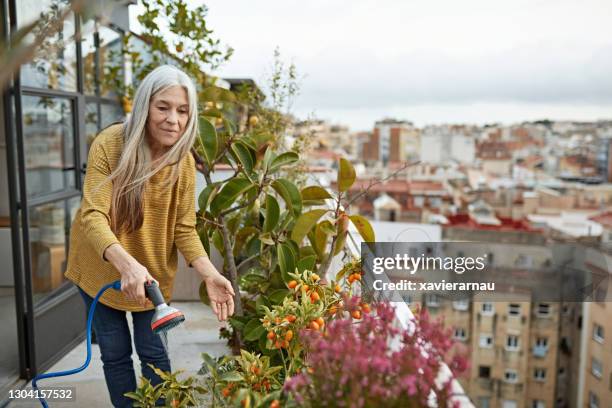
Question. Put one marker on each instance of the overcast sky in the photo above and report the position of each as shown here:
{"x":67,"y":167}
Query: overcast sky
{"x":428,"y":61}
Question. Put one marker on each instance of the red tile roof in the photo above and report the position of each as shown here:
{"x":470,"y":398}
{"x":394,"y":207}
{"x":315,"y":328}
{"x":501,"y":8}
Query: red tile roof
{"x":507,"y":224}
{"x":605,"y":219}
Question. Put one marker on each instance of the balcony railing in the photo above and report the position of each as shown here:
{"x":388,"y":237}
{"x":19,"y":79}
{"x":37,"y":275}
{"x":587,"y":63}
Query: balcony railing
{"x":540,"y":351}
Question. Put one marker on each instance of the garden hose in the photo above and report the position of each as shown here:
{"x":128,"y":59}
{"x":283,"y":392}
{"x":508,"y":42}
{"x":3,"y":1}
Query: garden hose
{"x":164,"y":319}
{"x":115,"y":285}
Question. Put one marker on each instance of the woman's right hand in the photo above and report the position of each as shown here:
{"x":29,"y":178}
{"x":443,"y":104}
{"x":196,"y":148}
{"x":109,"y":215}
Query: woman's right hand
{"x":133,"y":278}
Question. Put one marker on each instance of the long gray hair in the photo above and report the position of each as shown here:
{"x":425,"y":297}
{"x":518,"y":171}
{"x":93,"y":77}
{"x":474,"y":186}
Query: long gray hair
{"x":135,"y":167}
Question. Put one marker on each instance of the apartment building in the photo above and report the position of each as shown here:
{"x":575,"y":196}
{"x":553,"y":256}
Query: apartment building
{"x":391,"y":141}
{"x":594,"y":374}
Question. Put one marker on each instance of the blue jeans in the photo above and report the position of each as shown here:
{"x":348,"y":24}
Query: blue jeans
{"x":113,"y":336}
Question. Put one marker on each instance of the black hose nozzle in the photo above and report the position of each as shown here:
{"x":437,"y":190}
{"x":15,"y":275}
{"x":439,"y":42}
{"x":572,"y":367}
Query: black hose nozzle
{"x":153,"y":293}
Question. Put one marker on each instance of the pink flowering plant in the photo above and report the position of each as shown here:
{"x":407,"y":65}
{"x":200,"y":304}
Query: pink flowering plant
{"x":352,"y":364}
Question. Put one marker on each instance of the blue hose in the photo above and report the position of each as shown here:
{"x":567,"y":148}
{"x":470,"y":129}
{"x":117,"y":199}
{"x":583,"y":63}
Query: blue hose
{"x":115,"y":285}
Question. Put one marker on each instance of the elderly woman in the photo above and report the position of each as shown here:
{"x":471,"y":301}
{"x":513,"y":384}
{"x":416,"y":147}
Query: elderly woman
{"x":138,"y":208}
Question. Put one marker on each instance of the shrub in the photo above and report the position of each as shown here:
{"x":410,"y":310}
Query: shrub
{"x":353,"y":363}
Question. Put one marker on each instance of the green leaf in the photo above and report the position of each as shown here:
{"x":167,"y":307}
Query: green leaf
{"x":266,"y":238}
{"x":208,"y":136}
{"x":272,"y":213}
{"x":242,"y":237}
{"x":364,"y":227}
{"x":315,"y":193}
{"x":307,"y":250}
{"x":320,"y":239}
{"x":231,"y":376}
{"x":204,"y":294}
{"x":217,"y":94}
{"x":283,"y":160}
{"x":278,"y":296}
{"x":249,"y":142}
{"x":340,"y":241}
{"x":290,"y":194}
{"x":253,"y":330}
{"x":286,"y":261}
{"x":217,"y":241}
{"x":307,"y":263}
{"x":243,"y":155}
{"x":205,"y":196}
{"x":236,"y":323}
{"x":260,"y":302}
{"x":328,"y":227}
{"x":346,"y":175}
{"x":268,"y":158}
{"x":229,"y":194}
{"x":304,"y":224}
{"x":203,"y":234}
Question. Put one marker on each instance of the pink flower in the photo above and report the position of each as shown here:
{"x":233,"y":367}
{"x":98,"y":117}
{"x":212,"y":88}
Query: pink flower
{"x":354,"y":366}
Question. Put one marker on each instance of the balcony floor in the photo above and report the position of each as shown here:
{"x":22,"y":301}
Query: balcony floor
{"x":199,"y":333}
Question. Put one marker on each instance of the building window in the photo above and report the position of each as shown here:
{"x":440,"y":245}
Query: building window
{"x":593,"y":400}
{"x":538,"y":404}
{"x":487,"y":308}
{"x":512,"y":342}
{"x":543,"y":310}
{"x":431,"y":300}
{"x":524,"y":261}
{"x":486,"y":340}
{"x":461,"y":305}
{"x":514,"y":309}
{"x":460,"y":334}
{"x":541,"y":347}
{"x":511,"y":376}
{"x":542,"y":342}
{"x":596,"y":367}
{"x":484,"y":371}
{"x":539,"y":374}
{"x":566,"y":310}
{"x":484,"y":402}
{"x":598,"y":333}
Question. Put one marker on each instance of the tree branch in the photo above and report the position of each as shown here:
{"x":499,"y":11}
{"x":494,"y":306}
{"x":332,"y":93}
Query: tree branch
{"x":373,"y":183}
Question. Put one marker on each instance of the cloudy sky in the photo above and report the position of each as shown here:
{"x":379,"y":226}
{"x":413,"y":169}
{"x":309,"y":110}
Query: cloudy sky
{"x":428,"y":61}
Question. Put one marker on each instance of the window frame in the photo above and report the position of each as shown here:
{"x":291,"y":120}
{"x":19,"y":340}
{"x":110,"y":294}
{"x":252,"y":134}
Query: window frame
{"x":515,"y":375}
{"x":596,"y":336}
{"x":516,"y":347}
{"x":542,"y":372}
{"x":514,"y":310}
{"x":483,"y":309}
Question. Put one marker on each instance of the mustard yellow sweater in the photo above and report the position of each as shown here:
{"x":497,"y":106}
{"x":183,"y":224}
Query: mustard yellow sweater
{"x":169,"y":223}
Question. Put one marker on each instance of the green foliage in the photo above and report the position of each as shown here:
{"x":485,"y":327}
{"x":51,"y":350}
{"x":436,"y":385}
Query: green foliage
{"x":247,"y":380}
{"x":175,"y":392}
{"x":173,"y":32}
{"x":346,"y":175}
{"x":208,"y":138}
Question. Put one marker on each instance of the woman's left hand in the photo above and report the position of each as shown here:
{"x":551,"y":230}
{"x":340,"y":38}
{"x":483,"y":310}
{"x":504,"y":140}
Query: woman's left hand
{"x":221,"y":295}
{"x":220,"y":290}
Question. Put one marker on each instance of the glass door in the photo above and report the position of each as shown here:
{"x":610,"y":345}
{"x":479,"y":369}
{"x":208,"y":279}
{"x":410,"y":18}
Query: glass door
{"x":47,"y":115}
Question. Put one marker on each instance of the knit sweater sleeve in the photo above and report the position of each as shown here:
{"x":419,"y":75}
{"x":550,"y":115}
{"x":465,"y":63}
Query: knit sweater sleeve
{"x":185,"y":235}
{"x":96,"y":201}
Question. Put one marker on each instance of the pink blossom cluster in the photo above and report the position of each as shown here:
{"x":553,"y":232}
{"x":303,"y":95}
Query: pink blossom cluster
{"x":352,"y":363}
